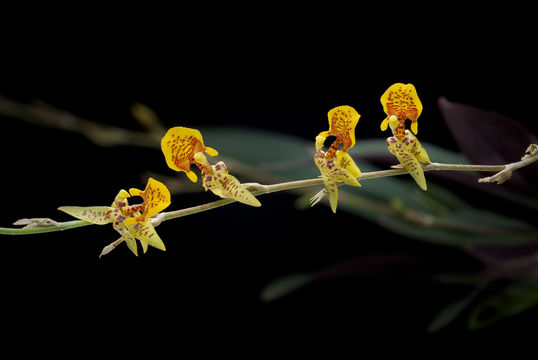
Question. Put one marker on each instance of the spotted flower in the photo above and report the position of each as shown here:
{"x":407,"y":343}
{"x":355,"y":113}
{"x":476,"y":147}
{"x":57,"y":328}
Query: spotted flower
{"x":179,"y":145}
{"x":401,"y":102}
{"x":337,"y":166}
{"x":130,"y":221}
{"x":183,"y":147}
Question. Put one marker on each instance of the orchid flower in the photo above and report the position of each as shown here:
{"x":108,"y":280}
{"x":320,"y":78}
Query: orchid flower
{"x":183,"y":147}
{"x":337,"y":165}
{"x":401,"y":102}
{"x":130,"y":221}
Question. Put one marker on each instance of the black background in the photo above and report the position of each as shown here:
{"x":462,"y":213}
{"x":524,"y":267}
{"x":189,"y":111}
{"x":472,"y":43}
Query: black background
{"x":206,"y":286}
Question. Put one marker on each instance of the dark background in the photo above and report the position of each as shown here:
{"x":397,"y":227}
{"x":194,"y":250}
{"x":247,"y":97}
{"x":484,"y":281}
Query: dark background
{"x":208,"y":282}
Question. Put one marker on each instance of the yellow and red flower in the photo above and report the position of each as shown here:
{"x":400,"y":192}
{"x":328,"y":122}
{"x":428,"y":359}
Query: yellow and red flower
{"x":337,"y":166}
{"x":130,"y":221}
{"x":401,"y":102}
{"x":183,"y":147}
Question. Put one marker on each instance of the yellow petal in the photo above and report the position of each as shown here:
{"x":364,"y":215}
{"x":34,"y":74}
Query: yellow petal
{"x":385,"y":124}
{"x":147,"y":235}
{"x":121,"y":199}
{"x":211,"y":151}
{"x":408,"y":160}
{"x":99,"y":215}
{"x":179,"y":145}
{"x":135,"y":192}
{"x":131,"y":244}
{"x":333,"y":171}
{"x":192,"y":176}
{"x":414,"y":127}
{"x":346,"y":162}
{"x":119,"y":226}
{"x":402,"y":100}
{"x":320,"y":140}
{"x":332,"y":192}
{"x":417,"y":149}
{"x":227,"y":186}
{"x":130,"y":221}
{"x":156,"y":198}
{"x":342,"y":122}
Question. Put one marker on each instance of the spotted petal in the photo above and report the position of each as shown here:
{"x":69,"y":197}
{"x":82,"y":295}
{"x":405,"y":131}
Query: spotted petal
{"x":99,"y":215}
{"x":120,"y":227}
{"x":342,"y":122}
{"x":156,"y":198}
{"x":227,"y":186}
{"x":146,"y":234}
{"x":402,"y":101}
{"x":334,"y":171}
{"x":410,"y":153}
{"x":179,"y":145}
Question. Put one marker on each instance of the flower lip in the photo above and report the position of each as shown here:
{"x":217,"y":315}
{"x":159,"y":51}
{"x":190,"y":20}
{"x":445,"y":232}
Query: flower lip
{"x":342,"y":122}
{"x":402,"y":101}
{"x":179,"y":145}
{"x":156,"y":198}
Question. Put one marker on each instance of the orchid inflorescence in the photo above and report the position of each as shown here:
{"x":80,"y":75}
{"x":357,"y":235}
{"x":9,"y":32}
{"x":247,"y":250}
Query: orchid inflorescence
{"x":184,"y":147}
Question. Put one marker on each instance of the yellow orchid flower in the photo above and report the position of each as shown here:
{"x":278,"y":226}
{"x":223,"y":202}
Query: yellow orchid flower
{"x":183,"y":146}
{"x":131,"y":221}
{"x":401,"y":102}
{"x":179,"y":145}
{"x":217,"y":179}
{"x":337,"y":165}
{"x":409,"y":152}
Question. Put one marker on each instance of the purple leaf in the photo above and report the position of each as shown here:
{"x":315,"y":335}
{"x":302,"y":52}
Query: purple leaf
{"x":489,"y":138}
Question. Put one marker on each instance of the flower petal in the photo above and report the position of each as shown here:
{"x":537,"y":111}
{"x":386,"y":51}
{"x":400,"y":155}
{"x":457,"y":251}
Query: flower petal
{"x":404,"y":151}
{"x":227,"y":186}
{"x":334,"y":170}
{"x":147,"y":235}
{"x":121,"y":199}
{"x":402,"y":101}
{"x":179,"y":145}
{"x":342,"y":122}
{"x":156,"y":197}
{"x":346,"y":162}
{"x":99,"y":215}
{"x":385,"y":124}
{"x":120,"y":227}
{"x":332,"y":191}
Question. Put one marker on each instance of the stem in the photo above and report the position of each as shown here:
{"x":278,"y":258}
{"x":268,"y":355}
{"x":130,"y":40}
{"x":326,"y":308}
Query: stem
{"x":259,"y":189}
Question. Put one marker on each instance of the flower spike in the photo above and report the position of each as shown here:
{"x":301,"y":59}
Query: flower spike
{"x":179,"y":145}
{"x":401,"y":102}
